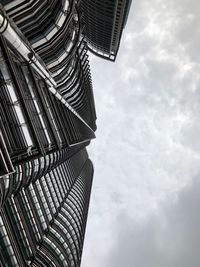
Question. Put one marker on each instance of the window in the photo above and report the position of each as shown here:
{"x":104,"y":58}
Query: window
{"x":14,"y":119}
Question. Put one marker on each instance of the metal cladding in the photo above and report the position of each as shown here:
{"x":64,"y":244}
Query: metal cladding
{"x":104,"y":22}
{"x":53,"y":28}
{"x":47,"y":118}
{"x":43,"y":222}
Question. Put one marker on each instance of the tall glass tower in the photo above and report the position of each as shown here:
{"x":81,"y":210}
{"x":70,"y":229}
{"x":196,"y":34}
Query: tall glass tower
{"x":47,"y":118}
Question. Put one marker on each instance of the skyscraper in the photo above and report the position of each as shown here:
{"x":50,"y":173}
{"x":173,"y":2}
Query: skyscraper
{"x":47,"y":118}
{"x":104,"y":22}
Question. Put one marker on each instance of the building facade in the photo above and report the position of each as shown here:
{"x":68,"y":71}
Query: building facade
{"x":104,"y":22}
{"x":47,"y":118}
{"x":43,"y":222}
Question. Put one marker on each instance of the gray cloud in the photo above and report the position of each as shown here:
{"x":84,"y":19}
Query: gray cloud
{"x":169,"y":237}
{"x":148,"y":147}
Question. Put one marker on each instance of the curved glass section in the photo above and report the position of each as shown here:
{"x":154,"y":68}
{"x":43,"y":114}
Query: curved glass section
{"x":49,"y":212}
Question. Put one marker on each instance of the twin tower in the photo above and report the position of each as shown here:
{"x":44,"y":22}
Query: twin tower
{"x":47,"y":118}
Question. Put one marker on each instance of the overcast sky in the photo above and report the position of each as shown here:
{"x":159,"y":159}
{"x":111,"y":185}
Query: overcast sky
{"x":144,"y":209}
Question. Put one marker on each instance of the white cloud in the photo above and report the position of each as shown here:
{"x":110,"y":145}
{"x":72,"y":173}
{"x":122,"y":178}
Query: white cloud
{"x":148,"y":147}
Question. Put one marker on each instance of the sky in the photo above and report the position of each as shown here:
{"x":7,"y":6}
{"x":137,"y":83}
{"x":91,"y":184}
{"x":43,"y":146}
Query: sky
{"x":144,"y":209}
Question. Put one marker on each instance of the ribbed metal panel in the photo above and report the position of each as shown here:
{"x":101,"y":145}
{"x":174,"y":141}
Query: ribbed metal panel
{"x":49,"y":214}
{"x":54,"y":30}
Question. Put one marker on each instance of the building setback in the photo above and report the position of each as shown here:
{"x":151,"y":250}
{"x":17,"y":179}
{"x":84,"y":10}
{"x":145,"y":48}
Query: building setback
{"x":47,"y":118}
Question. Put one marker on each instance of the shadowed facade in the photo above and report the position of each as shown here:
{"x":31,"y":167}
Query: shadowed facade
{"x":104,"y":22}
